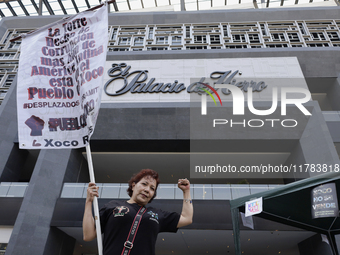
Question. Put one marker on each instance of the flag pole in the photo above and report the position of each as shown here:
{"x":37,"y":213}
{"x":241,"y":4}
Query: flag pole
{"x":95,"y":201}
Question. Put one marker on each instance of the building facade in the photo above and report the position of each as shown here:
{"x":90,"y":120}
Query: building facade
{"x":149,"y":119}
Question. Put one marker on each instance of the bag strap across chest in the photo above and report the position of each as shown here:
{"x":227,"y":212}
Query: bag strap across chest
{"x":128,"y":245}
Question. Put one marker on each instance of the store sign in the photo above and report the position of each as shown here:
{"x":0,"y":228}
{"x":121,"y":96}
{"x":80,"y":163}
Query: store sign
{"x":179,"y":79}
{"x":139,"y":82}
{"x":325,"y":201}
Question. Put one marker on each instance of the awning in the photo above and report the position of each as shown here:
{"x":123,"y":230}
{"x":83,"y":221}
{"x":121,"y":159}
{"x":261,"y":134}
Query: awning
{"x":291,"y":205}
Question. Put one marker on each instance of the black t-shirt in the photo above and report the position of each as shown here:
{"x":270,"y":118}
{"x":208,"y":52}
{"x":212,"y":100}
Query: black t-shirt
{"x":116,"y":218}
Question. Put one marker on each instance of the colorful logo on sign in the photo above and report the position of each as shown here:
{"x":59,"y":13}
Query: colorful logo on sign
{"x":254,"y":207}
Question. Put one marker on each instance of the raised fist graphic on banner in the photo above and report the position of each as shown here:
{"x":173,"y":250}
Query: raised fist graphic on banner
{"x":36,"y":125}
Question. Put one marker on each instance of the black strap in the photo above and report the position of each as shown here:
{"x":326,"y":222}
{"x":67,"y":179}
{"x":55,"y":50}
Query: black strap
{"x":128,"y":245}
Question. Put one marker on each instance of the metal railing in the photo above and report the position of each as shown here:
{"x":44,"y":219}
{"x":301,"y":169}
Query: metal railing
{"x":170,"y":191}
{"x":164,"y":191}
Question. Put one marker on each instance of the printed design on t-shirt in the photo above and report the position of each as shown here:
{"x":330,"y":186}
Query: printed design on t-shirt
{"x":36,"y":125}
{"x":153,"y":216}
{"x":120,"y":211}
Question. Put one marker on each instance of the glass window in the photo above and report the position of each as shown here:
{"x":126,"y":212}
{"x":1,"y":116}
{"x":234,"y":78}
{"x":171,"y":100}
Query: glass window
{"x":157,"y":48}
{"x":239,"y":38}
{"x":215,"y":39}
{"x":166,"y":191}
{"x":258,"y":188}
{"x":274,"y":186}
{"x":242,"y":46}
{"x":4,"y":187}
{"x":200,"y":39}
{"x":202,"y":191}
{"x":317,"y":45}
{"x":8,"y":69}
{"x":283,"y":45}
{"x":73,"y":190}
{"x":17,"y":189}
{"x":196,"y":47}
{"x":150,"y":33}
{"x":8,"y":63}
{"x":179,"y":193}
{"x":318,"y":36}
{"x":118,"y":49}
{"x":139,"y":41}
{"x":221,"y":192}
{"x":7,"y":36}
{"x":110,"y":190}
{"x":254,"y":38}
{"x":225,"y":30}
{"x":187,"y":31}
{"x":124,"y":41}
{"x":333,"y":36}
{"x":100,"y":185}
{"x":293,"y":37}
{"x":122,"y":192}
{"x":278,"y":37}
{"x":302,"y":28}
{"x":114,"y":34}
{"x":161,"y":40}
{"x":239,"y":190}
{"x":7,"y":55}
{"x":263,"y":29}
{"x":176,"y":40}
{"x":8,"y":80}
{"x":14,"y":45}
{"x":3,"y":93}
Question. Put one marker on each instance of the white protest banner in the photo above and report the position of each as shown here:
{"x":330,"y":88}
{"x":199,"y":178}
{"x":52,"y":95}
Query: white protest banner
{"x":60,"y":81}
{"x":253,"y":207}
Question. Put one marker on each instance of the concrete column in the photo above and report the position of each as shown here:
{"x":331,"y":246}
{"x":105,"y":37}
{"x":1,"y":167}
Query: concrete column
{"x":314,"y":147}
{"x":9,"y":129}
{"x":13,"y":161}
{"x":333,"y":94}
{"x":32,"y":233}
